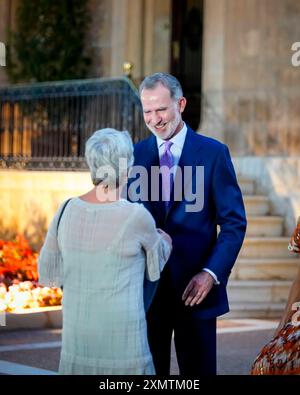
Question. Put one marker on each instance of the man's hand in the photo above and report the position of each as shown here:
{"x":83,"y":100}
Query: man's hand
{"x":198,"y":288}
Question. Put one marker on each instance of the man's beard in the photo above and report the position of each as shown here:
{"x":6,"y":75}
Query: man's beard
{"x":170,"y":130}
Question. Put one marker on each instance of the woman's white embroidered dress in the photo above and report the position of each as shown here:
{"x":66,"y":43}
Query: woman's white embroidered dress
{"x":100,"y":255}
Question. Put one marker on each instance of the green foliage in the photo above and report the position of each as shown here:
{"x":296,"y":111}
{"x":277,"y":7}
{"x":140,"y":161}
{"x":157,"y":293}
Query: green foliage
{"x":49,"y":42}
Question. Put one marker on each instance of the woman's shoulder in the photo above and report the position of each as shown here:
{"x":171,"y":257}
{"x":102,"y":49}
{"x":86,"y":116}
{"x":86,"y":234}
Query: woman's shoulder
{"x":62,"y":206}
{"x":138,"y":207}
{"x":141,"y":212}
{"x":145,"y":218}
{"x":129,"y":209}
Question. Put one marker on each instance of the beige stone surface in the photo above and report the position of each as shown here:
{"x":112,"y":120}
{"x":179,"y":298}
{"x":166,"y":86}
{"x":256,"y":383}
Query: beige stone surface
{"x":157,"y":42}
{"x":257,"y":205}
{"x":268,"y":291}
{"x":255,"y":310}
{"x":45,"y":317}
{"x":264,"y":226}
{"x":98,"y":38}
{"x":250,"y":95}
{"x":278,"y":178}
{"x":261,"y":277}
{"x":6,"y":20}
{"x":267,"y":247}
{"x":141,"y":35}
{"x":265,"y":269}
{"x":29,"y":199}
{"x":249,"y":82}
{"x":247,"y":185}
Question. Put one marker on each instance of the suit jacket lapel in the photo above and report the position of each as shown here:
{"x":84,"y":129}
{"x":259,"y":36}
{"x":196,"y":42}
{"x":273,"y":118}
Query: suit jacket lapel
{"x":151,"y":158}
{"x":150,"y":155}
{"x":189,"y":157}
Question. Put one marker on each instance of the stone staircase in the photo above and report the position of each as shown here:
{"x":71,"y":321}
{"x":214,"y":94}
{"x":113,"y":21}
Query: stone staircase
{"x":260,"y":280}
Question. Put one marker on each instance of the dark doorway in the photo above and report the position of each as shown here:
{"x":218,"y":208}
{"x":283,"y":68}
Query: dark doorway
{"x":186,"y":54}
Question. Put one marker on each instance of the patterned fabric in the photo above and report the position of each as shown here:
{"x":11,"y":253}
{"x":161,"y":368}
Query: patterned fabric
{"x":294,"y":244}
{"x":100,"y":256}
{"x":281,"y":356}
{"x":167,"y":161}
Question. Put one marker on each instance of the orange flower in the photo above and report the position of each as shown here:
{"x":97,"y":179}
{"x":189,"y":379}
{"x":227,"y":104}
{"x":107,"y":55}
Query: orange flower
{"x":18,"y":264}
{"x":17,"y":260}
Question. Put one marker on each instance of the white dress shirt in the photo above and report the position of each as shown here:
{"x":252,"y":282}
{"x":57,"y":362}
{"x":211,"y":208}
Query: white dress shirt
{"x":176,"y":150}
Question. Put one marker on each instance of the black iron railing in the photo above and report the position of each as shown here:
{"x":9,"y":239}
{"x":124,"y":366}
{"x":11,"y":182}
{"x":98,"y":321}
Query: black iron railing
{"x":46,"y":125}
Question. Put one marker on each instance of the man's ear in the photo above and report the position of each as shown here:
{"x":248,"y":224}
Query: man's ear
{"x":182,"y":104}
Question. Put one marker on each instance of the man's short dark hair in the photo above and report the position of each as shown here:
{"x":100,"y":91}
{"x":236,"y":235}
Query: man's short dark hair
{"x":167,"y":80}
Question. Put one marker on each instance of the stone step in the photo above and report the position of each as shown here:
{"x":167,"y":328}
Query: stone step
{"x":247,"y":186}
{"x":264,"y":226}
{"x":35,"y":318}
{"x":265,"y":247}
{"x":255,"y":310}
{"x":265,"y":269}
{"x":257,"y":205}
{"x":251,"y":291}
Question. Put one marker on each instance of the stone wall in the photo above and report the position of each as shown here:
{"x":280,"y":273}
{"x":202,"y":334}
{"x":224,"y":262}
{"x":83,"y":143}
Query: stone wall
{"x":98,"y":38}
{"x":141,"y":35}
{"x":7,"y":23}
{"x":29,"y":199}
{"x":250,"y":87}
{"x":279,"y":179}
{"x":250,"y":84}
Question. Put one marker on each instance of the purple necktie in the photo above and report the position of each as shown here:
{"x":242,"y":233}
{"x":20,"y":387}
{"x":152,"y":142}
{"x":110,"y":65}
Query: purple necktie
{"x":167,"y":161}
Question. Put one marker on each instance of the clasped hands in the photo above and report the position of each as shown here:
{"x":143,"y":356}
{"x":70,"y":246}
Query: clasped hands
{"x":197,"y":289}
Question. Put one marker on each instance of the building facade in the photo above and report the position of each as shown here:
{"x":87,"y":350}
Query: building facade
{"x":234,"y":60}
{"x":233,"y":57}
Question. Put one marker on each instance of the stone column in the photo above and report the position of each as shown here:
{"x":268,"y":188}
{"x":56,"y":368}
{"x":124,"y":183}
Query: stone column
{"x":3,"y":37}
{"x":98,"y":38}
{"x":7,"y":12}
{"x":127,"y":36}
{"x":213,"y":68}
{"x":157,"y":37}
{"x":141,"y":35}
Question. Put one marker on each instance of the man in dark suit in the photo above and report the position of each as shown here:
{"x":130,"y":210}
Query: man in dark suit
{"x":191,"y":292}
